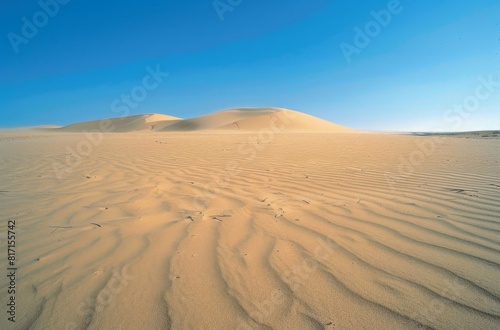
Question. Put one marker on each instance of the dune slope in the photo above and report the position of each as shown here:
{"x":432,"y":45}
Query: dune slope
{"x":122,"y":124}
{"x":242,"y":119}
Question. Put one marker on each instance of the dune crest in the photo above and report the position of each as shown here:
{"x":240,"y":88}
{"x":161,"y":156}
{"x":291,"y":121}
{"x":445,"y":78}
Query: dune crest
{"x":238,"y":119}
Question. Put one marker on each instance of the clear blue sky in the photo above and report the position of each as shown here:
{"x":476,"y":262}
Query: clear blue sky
{"x":283,"y":53}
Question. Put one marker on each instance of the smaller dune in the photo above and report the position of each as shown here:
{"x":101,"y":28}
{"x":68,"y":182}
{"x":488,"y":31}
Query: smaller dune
{"x":123,"y":124}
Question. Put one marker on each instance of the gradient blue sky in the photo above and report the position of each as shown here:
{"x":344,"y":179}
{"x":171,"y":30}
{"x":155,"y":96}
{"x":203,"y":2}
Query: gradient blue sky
{"x":264,"y":53}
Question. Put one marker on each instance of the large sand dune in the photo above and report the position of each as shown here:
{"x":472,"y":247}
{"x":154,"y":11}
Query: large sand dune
{"x":244,"y":119}
{"x":241,"y":119}
{"x":153,"y":230}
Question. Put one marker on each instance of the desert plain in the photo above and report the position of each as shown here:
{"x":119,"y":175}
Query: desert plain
{"x":250,"y":219}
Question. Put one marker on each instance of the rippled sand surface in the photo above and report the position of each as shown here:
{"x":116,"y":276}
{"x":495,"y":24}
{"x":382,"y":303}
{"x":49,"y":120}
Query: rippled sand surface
{"x":248,"y":231}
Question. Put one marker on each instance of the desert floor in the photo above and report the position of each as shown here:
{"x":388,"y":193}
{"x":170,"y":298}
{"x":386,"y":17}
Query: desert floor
{"x":251,"y":231}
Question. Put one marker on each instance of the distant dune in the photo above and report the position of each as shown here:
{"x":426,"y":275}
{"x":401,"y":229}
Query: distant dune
{"x":241,"y":119}
{"x":124,"y":124}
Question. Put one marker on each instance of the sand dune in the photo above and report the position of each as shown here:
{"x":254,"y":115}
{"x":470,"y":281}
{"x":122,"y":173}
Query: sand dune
{"x":242,"y":119}
{"x":254,"y":119}
{"x":215,"y":231}
{"x":123,"y":124}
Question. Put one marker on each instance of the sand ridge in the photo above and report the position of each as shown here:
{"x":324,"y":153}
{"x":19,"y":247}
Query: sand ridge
{"x":238,"y":119}
{"x":311,"y":231}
